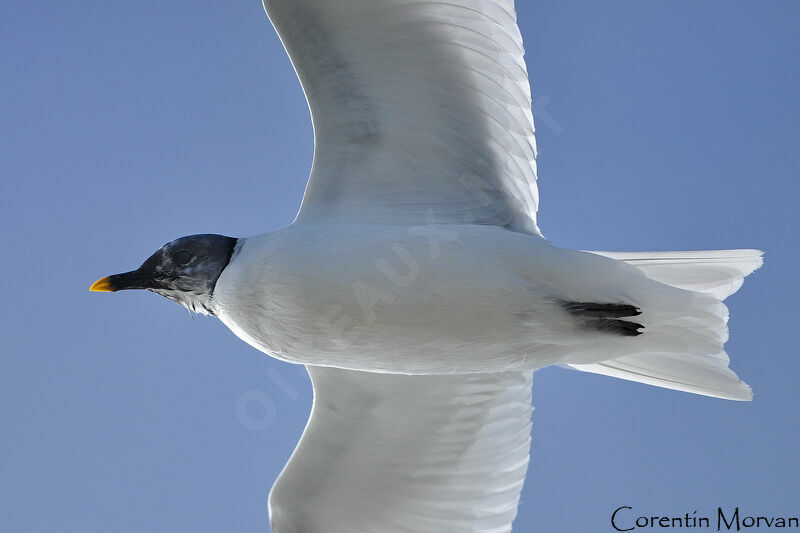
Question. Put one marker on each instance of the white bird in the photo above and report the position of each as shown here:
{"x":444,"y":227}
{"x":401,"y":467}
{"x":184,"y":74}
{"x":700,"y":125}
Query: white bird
{"x":416,"y":285}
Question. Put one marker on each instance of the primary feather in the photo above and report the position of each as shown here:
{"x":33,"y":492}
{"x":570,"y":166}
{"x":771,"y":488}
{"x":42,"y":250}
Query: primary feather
{"x":392,"y":454}
{"x":421,"y":110}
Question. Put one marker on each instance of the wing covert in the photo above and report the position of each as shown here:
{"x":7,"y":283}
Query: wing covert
{"x":394,"y":453}
{"x":421,"y":110}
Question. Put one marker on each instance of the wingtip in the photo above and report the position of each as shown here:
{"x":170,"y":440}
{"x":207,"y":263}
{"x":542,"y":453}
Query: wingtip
{"x":741,"y":393}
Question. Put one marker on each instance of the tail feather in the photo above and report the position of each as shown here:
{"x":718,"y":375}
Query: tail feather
{"x":706,"y":375}
{"x":717,"y":273}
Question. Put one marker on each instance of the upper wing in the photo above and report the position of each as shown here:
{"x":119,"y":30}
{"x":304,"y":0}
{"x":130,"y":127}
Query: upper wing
{"x":394,"y":453}
{"x":421,"y":110}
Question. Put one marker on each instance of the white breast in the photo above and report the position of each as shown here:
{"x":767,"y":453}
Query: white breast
{"x":409,"y":299}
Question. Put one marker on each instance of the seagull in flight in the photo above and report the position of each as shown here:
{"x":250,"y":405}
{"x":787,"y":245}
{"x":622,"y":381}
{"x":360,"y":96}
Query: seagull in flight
{"x":415,"y":284}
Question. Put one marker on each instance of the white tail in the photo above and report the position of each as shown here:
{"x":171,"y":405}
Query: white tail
{"x":718,"y":273}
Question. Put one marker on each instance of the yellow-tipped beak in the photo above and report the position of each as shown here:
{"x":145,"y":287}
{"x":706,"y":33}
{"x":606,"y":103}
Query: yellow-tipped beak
{"x":102,"y":285}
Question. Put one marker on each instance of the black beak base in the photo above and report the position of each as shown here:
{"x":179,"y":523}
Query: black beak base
{"x":135,"y":279}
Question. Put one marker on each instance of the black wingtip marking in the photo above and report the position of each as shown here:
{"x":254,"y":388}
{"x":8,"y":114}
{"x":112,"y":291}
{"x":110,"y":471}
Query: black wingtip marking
{"x":604,"y":317}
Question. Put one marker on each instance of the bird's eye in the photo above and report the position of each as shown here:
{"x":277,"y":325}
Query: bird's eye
{"x":182,"y":257}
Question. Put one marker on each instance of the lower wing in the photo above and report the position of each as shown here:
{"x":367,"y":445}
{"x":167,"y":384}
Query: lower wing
{"x":391,"y":453}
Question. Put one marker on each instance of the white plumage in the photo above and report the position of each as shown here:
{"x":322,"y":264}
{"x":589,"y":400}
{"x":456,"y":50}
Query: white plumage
{"x":718,"y":273}
{"x":388,"y":453}
{"x":419,"y":107}
{"x":467,"y":298}
{"x":417,"y":287}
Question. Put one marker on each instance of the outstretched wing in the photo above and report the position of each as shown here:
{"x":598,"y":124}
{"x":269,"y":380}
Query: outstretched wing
{"x":421,"y":110}
{"x":394,"y":453}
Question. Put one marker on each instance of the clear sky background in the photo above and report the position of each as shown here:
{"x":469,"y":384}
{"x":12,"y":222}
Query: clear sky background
{"x":664,"y":125}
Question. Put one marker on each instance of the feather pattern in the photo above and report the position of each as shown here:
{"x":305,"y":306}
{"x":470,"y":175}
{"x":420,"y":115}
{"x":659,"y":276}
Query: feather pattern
{"x":716,"y":272}
{"x":712,"y":273}
{"x":421,"y":110}
{"x":396,"y":453}
{"x":422,"y":121}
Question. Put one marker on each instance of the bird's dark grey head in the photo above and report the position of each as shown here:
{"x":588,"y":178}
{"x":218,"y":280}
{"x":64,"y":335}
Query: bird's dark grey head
{"x":184,"y":270}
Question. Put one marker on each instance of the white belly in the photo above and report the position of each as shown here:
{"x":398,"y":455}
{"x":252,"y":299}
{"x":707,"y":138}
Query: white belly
{"x":425,"y":299}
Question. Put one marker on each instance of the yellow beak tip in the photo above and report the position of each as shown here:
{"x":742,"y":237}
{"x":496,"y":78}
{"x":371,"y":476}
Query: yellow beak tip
{"x":101,"y":285}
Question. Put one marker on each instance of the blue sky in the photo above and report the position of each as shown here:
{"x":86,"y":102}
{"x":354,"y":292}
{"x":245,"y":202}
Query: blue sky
{"x":661,"y":126}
